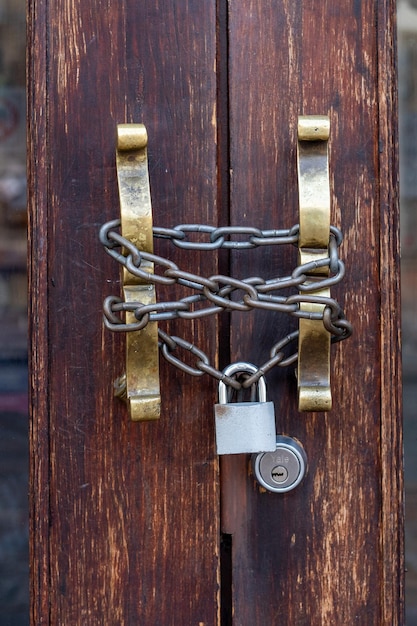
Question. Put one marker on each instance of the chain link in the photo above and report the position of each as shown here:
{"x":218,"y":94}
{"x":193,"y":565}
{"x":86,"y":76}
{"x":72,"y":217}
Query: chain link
{"x":223,"y":293}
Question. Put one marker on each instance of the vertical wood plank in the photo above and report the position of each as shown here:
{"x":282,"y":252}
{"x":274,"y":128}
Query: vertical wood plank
{"x":38,"y":314}
{"x":392,"y":519}
{"x":125,"y":515}
{"x":321,"y":553}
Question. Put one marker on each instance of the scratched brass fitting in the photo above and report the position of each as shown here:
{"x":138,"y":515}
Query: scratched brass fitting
{"x":314,"y":393}
{"x":141,"y":391}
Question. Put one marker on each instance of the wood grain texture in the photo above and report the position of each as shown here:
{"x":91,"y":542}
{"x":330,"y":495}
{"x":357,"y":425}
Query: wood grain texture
{"x":38,"y":312}
{"x":321,"y":554}
{"x":125,"y":515}
{"x":392,"y":518}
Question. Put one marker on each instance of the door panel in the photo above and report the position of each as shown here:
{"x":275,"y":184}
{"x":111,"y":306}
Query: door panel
{"x":312,"y":550}
{"x":125,"y":505}
{"x":126,"y":522}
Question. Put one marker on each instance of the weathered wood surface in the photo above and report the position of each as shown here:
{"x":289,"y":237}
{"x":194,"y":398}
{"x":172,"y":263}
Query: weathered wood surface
{"x":331,"y":551}
{"x":125,"y":517}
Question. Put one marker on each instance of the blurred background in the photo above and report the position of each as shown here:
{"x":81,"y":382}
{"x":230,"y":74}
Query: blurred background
{"x":407,"y":67}
{"x":14,"y":562}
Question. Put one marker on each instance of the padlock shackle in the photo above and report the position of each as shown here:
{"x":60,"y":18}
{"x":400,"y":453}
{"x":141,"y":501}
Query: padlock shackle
{"x":241,"y":366}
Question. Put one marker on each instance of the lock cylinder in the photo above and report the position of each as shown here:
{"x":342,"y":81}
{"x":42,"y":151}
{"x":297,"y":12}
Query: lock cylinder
{"x":282,"y":470}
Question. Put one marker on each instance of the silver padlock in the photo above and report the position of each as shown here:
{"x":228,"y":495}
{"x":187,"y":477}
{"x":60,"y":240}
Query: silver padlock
{"x":244,"y":427}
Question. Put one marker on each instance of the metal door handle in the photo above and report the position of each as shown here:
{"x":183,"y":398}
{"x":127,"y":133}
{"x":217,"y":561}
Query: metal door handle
{"x":140,"y":386}
{"x":314,"y":393}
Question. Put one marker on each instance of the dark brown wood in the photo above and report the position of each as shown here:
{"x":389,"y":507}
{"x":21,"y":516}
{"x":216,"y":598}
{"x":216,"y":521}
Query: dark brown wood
{"x":321,"y":554}
{"x":392,"y":516}
{"x":125,"y":516}
{"x":38,"y":320}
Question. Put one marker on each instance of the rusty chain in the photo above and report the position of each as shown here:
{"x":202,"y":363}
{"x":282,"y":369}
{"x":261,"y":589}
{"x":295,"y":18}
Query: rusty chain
{"x":214,"y":294}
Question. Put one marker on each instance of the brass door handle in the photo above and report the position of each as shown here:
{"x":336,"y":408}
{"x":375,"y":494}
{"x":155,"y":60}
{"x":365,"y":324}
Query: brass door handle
{"x":141,"y":384}
{"x":314,"y":393}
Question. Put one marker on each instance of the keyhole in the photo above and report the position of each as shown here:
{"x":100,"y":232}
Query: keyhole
{"x":279,"y":474}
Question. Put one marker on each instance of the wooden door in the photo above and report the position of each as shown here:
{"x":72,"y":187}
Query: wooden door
{"x":134,"y":523}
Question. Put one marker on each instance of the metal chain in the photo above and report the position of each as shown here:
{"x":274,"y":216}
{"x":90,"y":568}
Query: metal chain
{"x":214,"y":294}
{"x":169,"y":343}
